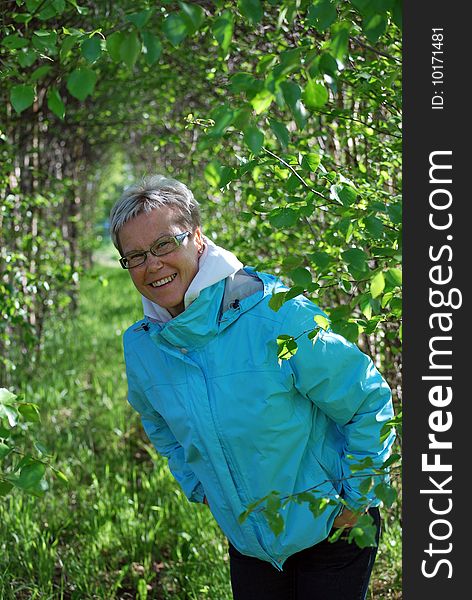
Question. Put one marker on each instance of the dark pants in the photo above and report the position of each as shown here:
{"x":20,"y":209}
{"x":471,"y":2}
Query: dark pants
{"x":326,"y":571}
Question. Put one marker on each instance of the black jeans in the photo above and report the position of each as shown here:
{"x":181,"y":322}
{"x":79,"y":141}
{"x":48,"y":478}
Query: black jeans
{"x":326,"y":571}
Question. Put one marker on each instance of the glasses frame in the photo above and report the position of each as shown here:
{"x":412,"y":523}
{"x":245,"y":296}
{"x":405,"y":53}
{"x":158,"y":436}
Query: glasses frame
{"x":178,"y":238}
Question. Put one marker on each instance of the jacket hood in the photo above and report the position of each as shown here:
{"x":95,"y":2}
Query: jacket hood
{"x":215,"y":264}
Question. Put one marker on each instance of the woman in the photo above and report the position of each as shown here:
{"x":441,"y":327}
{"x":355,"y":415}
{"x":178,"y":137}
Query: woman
{"x":233,"y":421}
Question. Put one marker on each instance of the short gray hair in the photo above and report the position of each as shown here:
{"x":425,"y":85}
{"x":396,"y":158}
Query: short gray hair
{"x":154,"y":192}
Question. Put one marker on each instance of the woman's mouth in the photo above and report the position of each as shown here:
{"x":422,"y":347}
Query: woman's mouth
{"x":163,"y":281}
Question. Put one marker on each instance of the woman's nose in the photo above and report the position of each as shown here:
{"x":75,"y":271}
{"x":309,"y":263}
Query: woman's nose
{"x":153,"y":261}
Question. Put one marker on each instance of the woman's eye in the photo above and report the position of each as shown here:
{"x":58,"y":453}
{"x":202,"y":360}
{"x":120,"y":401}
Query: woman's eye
{"x":164,"y":245}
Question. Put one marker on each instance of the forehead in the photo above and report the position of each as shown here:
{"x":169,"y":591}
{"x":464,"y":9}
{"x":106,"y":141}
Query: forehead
{"x":141,"y":231}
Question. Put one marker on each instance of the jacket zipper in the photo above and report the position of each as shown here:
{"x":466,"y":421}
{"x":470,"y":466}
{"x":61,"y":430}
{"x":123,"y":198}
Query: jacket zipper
{"x":231,"y":470}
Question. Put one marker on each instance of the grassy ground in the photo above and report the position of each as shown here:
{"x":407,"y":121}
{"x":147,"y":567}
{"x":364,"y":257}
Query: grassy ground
{"x":122,"y":529}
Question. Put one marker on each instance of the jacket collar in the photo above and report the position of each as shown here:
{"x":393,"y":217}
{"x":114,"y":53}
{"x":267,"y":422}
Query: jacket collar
{"x":204,"y":318}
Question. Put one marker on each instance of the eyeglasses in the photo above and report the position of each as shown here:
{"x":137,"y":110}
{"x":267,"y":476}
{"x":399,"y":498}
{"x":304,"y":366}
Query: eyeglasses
{"x":162,"y":246}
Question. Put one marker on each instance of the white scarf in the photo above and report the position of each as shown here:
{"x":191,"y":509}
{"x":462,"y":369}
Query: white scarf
{"x":214,"y":264}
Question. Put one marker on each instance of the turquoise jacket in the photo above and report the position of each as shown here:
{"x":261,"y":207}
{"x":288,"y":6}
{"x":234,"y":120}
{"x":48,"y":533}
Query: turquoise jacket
{"x":236,"y":424}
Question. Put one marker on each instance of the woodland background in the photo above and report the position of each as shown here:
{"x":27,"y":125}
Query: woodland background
{"x":284,"y":118}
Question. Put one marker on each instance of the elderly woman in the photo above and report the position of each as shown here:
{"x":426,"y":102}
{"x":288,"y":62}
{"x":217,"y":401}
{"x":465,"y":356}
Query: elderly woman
{"x":233,"y":421}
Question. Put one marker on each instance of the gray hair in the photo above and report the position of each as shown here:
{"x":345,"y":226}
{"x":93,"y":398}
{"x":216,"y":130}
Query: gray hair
{"x":154,"y":192}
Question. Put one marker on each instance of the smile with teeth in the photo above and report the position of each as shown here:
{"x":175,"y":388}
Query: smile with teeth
{"x":161,"y":282}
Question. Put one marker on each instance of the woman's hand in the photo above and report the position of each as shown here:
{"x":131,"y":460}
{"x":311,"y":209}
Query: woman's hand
{"x":347,"y":518}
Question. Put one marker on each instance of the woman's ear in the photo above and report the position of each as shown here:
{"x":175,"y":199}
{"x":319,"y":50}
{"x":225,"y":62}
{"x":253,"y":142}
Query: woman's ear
{"x":199,"y":243}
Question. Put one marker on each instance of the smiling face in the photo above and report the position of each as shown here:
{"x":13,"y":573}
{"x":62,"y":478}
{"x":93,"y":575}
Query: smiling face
{"x":162,"y":279}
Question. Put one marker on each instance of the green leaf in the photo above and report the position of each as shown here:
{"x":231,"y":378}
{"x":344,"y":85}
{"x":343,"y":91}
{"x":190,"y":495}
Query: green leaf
{"x":40,"y":72}
{"x":212,"y":173}
{"x":21,"y":97}
{"x":275,"y":522}
{"x":374,"y":226}
{"x":273,"y":502}
{"x":254,"y":139}
{"x":4,"y":450}
{"x":29,"y":412}
{"x":223,"y":117}
{"x":244,"y":82}
{"x":292,"y":94}
{"x":140,"y":19}
{"x":322,"y":321}
{"x":364,"y":532}
{"x":153,"y":47}
{"x":317,"y":506}
{"x":227,"y":174}
{"x":67,"y":44}
{"x":391,"y":460}
{"x":355,"y":257}
{"x":311,"y":162}
{"x":361,"y":465}
{"x":340,"y":40}
{"x":114,"y":42}
{"x":365,"y":485}
{"x":321,"y":259}
{"x":276,"y":301}
{"x":175,"y":28}
{"x":377,"y":284}
{"x":26,"y":59}
{"x":129,"y":49}
{"x":336,"y":535}
{"x":45,"y":41}
{"x":10,"y":413}
{"x":394,"y":275}
{"x":193,"y":14}
{"x":374,"y":26}
{"x":262,"y":101}
{"x":55,"y":103}
{"x":13,"y":42}
{"x":91,"y":49}
{"x":301,"y":277}
{"x":48,"y":12}
{"x":61,"y":476}
{"x":395,"y":212}
{"x":344,"y":193}
{"x":31,"y":475}
{"x":41,"y":448}
{"x":386,"y":493}
{"x":283,"y":217}
{"x":59,"y":5}
{"x":397,"y":14}
{"x":5,"y":487}
{"x":6,"y":396}
{"x":322,"y":14}
{"x":251,"y":9}
{"x":222,"y":29}
{"x":327,"y":64}
{"x":315,"y":95}
{"x":280,"y":131}
{"x":32,"y":5}
{"x":81,"y":83}
{"x":303,"y":497}
{"x":286,"y":347}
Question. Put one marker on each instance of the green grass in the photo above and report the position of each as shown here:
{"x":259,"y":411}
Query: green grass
{"x":122,"y":528}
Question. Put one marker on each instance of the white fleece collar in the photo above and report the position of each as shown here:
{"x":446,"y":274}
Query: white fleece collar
{"x":215,"y":264}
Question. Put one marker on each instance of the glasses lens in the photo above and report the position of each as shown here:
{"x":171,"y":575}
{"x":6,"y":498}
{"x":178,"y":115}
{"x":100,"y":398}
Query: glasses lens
{"x":164,"y":246}
{"x":134,"y":261}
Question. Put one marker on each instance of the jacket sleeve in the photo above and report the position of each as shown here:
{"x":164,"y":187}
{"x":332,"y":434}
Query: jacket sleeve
{"x":164,"y":441}
{"x":344,"y":383}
